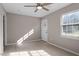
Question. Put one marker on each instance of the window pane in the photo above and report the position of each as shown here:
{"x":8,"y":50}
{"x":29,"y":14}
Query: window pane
{"x":71,"y":18}
{"x":76,"y":29}
{"x":65,"y":20}
{"x":67,"y":29}
{"x":64,"y":27}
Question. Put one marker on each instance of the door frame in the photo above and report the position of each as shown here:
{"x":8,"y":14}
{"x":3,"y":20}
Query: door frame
{"x":45,"y":30}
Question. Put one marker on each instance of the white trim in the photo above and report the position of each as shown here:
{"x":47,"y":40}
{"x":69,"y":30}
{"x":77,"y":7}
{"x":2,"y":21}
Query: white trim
{"x":27,"y":41}
{"x":64,"y":48}
{"x":10,"y":44}
{"x":4,"y":14}
{"x":33,"y":40}
{"x":71,"y":24}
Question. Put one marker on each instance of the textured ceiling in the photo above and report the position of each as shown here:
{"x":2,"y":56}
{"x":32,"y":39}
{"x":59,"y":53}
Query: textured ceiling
{"x":18,"y":8}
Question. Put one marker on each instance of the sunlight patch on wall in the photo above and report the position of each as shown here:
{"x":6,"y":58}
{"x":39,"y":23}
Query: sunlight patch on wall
{"x":19,"y":42}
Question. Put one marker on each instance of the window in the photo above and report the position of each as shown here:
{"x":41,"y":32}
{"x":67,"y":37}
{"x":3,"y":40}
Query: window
{"x":70,"y":24}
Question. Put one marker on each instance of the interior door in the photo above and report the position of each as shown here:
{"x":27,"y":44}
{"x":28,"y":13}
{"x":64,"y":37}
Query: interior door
{"x":44,"y":29}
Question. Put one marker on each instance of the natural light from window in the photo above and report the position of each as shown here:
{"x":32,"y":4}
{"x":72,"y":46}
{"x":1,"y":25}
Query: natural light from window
{"x":30,"y":53}
{"x":19,"y":42}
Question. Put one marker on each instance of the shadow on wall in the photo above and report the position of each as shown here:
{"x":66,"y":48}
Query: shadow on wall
{"x":19,"y":42}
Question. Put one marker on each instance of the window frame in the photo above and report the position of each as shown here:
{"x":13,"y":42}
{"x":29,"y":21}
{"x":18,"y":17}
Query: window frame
{"x":61,"y":28}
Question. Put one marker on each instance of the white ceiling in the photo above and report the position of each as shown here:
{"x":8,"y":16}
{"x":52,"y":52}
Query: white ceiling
{"x":18,"y":8}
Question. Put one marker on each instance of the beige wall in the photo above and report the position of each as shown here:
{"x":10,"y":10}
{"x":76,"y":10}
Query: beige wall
{"x":18,"y":26}
{"x":54,"y":29}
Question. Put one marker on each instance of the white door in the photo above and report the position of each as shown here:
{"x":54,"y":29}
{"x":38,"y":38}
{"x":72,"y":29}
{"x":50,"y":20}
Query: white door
{"x":1,"y":34}
{"x":44,"y":29}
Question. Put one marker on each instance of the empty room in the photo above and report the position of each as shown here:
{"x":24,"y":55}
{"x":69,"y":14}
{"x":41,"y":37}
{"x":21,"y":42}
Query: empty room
{"x":39,"y":29}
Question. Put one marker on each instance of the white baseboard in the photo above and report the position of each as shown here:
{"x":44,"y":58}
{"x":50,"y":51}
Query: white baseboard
{"x":64,"y":48}
{"x":33,"y":40}
{"x":27,"y":41}
{"x":10,"y":44}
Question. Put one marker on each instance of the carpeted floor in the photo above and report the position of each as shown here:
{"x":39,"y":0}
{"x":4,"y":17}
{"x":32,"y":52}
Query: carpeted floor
{"x":35,"y":48}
